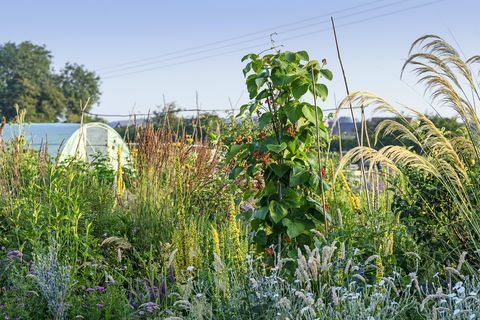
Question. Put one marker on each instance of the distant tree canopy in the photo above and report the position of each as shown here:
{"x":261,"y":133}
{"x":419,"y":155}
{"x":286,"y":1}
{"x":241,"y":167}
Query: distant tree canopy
{"x":443,"y":123}
{"x":27,"y":80}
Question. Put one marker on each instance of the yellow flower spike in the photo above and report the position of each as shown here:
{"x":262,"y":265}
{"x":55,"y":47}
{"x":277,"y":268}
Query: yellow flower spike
{"x":216,"y":240}
{"x":235,"y":236}
{"x":119,"y":173}
{"x":380,"y":269}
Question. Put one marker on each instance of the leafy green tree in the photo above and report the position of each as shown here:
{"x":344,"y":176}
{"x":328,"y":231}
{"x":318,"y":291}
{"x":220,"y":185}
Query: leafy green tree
{"x":286,"y":154}
{"x":80,"y":88}
{"x":27,"y":80}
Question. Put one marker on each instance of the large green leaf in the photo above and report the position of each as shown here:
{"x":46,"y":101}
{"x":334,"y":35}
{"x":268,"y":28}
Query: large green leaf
{"x":294,"y":228}
{"x":294,"y":112}
{"x":235,"y":172}
{"x":277,"y":148}
{"x":321,"y":91}
{"x":243,"y":108}
{"x":290,"y":56}
{"x":326,"y":74}
{"x":252,"y":85}
{"x":292,"y":198}
{"x":264,"y":119}
{"x":303,"y":55}
{"x":257,"y":65}
{"x":279,"y":78}
{"x":279,"y":169}
{"x":261,"y":213}
{"x":261,"y":79}
{"x":250,"y":56}
{"x":298,"y":176}
{"x":234,"y":150}
{"x":260,"y":237}
{"x":299,"y":88}
{"x":309,"y":113}
{"x":277,"y":211}
{"x":247,"y":68}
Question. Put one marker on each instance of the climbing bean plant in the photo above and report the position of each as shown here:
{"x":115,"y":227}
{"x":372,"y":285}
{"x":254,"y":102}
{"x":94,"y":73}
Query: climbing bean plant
{"x":284,"y":158}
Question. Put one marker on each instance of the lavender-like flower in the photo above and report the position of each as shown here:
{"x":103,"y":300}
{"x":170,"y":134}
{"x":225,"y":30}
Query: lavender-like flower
{"x":100,"y":289}
{"x":53,"y":281}
{"x":150,"y":306}
{"x":246,"y":207}
{"x":14,"y":255}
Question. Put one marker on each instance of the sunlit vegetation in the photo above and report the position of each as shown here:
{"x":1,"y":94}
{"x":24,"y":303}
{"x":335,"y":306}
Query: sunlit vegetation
{"x":257,"y":218}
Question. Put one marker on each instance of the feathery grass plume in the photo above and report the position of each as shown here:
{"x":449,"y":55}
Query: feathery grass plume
{"x":461,"y":261}
{"x":120,"y":244}
{"x":440,"y":157}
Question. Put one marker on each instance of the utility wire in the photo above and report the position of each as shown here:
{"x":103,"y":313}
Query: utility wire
{"x":177,"y":111}
{"x":188,"y":54}
{"x":284,"y":39}
{"x":241,"y":36}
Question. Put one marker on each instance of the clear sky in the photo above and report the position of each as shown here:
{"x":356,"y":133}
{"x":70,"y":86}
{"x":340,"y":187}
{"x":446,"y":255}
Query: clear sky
{"x":374,"y":38}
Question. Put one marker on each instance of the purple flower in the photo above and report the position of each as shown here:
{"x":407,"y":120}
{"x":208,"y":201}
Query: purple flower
{"x":141,"y":312}
{"x":150,"y":306}
{"x":89,"y":289}
{"x":99,"y":305}
{"x":171,"y":274}
{"x":14,"y":254}
{"x":246,"y":207}
{"x":7,"y":317}
{"x":100,"y":288}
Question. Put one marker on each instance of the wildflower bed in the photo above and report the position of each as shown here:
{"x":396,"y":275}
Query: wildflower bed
{"x":259,"y":221}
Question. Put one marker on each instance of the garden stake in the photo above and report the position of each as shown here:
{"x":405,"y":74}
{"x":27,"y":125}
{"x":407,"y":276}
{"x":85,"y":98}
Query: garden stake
{"x":362,"y":165}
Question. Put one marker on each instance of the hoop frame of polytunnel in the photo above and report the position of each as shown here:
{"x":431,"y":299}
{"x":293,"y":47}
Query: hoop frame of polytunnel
{"x":93,"y":140}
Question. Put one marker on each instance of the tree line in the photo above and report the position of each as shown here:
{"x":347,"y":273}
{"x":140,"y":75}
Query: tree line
{"x":29,"y":82}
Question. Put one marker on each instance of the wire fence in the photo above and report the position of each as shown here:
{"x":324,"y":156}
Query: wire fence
{"x":198,"y":111}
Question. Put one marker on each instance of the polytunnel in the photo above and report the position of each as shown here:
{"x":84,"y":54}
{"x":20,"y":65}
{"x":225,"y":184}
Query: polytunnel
{"x":69,"y":140}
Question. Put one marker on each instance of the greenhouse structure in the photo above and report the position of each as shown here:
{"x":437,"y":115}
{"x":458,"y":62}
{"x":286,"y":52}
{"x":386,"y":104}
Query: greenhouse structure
{"x":72,"y":140}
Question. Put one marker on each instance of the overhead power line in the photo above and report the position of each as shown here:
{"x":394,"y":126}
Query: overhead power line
{"x":263,"y":45}
{"x":276,"y":28}
{"x":186,"y":53}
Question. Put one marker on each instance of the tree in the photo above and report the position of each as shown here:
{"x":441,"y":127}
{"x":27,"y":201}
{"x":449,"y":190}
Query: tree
{"x":286,"y":155}
{"x":80,"y":88}
{"x":27,"y":80}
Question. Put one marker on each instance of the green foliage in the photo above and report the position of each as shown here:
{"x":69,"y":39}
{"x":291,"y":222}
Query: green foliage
{"x":285,"y":153}
{"x":177,"y":245}
{"x":80,"y":88}
{"x":27,"y":79}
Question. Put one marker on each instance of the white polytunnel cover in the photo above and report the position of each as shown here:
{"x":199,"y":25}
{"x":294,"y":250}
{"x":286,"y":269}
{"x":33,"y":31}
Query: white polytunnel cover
{"x":86,"y":142}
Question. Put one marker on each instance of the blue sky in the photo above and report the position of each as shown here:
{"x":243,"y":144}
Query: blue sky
{"x":101,"y":34}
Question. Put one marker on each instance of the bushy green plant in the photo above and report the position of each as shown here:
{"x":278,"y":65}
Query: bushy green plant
{"x":286,"y":153}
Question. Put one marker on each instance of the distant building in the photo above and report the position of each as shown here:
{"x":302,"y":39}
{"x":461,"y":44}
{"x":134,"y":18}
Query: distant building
{"x":344,"y":125}
{"x":347,"y":128}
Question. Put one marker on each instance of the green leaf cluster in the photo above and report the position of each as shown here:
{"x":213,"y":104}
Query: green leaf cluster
{"x":284,"y":155}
